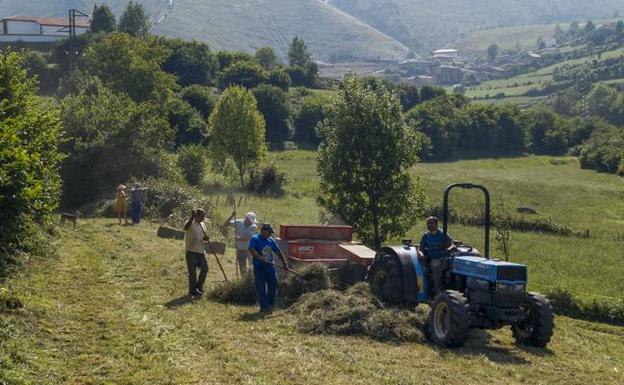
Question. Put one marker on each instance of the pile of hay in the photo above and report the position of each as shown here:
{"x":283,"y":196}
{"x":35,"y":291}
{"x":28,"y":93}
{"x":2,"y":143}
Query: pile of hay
{"x":311,"y":278}
{"x":239,"y":292}
{"x":357,"y":312}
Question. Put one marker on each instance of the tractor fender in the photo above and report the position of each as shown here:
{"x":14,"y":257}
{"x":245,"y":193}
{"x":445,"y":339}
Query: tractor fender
{"x":414,"y":285}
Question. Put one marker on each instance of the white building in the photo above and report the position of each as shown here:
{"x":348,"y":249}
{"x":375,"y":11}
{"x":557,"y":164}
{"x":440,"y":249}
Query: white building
{"x":447,"y":53}
{"x":35,"y":29}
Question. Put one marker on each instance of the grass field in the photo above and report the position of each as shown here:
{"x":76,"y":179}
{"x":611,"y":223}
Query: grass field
{"x":108,"y":308}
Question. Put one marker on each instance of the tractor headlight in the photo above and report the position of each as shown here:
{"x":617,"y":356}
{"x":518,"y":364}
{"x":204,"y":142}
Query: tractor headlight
{"x":515,"y":288}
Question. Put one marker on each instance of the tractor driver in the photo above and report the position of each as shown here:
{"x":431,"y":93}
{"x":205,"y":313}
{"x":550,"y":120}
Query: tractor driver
{"x":434,"y":247}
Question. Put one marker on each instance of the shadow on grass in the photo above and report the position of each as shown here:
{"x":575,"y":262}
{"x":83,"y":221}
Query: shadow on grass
{"x":480,"y":344}
{"x":177,"y":302}
{"x":253,"y":317}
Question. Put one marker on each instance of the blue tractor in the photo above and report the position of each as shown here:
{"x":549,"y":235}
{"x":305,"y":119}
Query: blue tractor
{"x":476,"y":291}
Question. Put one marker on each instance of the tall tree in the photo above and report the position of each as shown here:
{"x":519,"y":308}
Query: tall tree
{"x":111,"y":138}
{"x":237,"y":130}
{"x":30,"y":134}
{"x":102,"y":19}
{"x":590,"y":27}
{"x":134,"y":21}
{"x":492,"y":51}
{"x":130,"y":65}
{"x":365,"y":153}
{"x":191,"y":61}
{"x":267,"y":58}
{"x":273,"y":105}
{"x":298,"y":54}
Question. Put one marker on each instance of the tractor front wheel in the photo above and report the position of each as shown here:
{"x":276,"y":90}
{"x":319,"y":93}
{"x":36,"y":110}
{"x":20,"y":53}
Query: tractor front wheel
{"x":537,"y":327}
{"x":449,"y":319}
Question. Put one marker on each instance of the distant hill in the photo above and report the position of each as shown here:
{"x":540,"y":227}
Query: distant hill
{"x":246,"y":24}
{"x":425,"y":24}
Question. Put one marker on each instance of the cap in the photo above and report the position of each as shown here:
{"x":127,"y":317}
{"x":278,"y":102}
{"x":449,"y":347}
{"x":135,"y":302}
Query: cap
{"x":268,"y":227}
{"x":432,"y":219}
{"x":251,"y":216}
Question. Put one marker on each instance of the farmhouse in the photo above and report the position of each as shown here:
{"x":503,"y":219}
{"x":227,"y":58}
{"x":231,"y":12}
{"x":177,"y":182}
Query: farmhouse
{"x":34,"y":29}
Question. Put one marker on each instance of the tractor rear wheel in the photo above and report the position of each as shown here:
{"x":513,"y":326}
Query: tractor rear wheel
{"x":386,"y":280}
{"x":449,"y":319}
{"x":537,"y":327}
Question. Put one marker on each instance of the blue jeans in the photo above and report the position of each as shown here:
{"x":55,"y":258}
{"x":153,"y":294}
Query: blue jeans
{"x":265,"y":278}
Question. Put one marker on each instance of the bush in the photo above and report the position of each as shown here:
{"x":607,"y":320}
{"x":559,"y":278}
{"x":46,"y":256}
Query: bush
{"x":273,"y":105}
{"x":311,"y":113}
{"x":30,"y":135}
{"x":268,"y":180}
{"x":279,"y":78}
{"x":200,"y":98}
{"x":192,"y":162}
{"x":111,"y":138}
{"x":189,"y":126}
{"x":565,"y":303}
{"x":242,"y":73}
{"x":173,"y":200}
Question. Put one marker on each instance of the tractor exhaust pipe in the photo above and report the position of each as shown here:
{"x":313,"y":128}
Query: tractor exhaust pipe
{"x":445,"y":212}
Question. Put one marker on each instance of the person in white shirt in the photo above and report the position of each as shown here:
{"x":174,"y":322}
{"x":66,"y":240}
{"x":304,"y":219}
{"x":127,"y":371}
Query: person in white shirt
{"x":244,"y":229}
{"x":195,"y":235}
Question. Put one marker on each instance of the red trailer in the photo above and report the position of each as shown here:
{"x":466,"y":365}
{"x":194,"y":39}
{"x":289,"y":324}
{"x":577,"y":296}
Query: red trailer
{"x":327,"y":244}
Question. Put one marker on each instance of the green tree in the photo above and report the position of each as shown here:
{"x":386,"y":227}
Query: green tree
{"x":313,"y":110}
{"x":191,"y":61}
{"x":130,"y":65}
{"x":273,"y":105}
{"x":546,"y":132}
{"x":187,"y":122}
{"x":237,"y":130}
{"x":192,"y":163}
{"x":242,"y":73}
{"x":102,"y":19}
{"x":134,"y":21}
{"x":492,"y":51}
{"x":298,"y":54}
{"x":110,"y":139}
{"x":364,"y":157}
{"x":30,"y":134}
{"x":227,"y":58}
{"x":409,"y":95}
{"x":559,"y":35}
{"x":200,"y":98}
{"x":266,"y":58}
{"x":279,"y":78}
{"x":590,"y":27}
{"x":619,"y":28}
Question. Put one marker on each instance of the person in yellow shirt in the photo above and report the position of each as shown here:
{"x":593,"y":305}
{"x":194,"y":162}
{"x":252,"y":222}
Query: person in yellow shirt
{"x":121,"y":205}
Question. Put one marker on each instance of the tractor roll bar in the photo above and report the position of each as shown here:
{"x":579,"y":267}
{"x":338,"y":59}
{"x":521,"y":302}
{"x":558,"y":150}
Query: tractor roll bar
{"x":445,"y":213}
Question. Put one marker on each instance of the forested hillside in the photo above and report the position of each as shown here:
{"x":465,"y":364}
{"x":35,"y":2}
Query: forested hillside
{"x":423,"y":25}
{"x":246,"y":24}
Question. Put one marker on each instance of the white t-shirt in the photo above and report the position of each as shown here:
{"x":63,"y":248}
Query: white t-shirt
{"x":194,"y":237}
{"x":243,"y":233}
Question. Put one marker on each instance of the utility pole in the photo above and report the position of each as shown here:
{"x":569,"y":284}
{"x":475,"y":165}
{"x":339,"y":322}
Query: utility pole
{"x":73,"y":15}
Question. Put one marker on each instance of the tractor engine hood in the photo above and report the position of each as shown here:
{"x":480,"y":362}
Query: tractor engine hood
{"x":490,"y":270}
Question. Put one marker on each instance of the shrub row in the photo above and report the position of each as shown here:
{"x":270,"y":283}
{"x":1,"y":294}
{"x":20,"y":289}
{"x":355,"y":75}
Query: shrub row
{"x":566,"y":303}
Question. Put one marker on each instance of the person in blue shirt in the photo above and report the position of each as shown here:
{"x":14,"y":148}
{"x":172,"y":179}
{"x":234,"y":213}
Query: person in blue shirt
{"x":263,"y":249}
{"x":433,"y":250}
